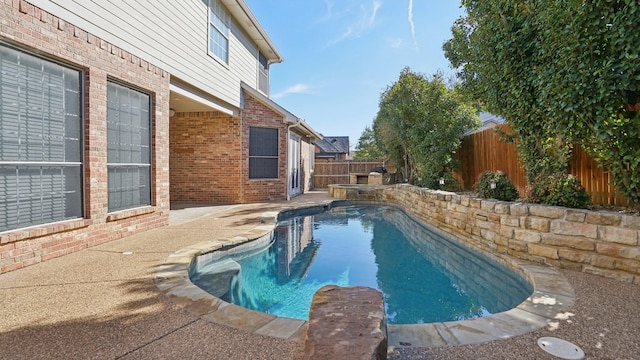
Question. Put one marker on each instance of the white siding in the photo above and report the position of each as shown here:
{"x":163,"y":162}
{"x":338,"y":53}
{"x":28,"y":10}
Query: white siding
{"x":170,"y":34}
{"x":243,"y":58}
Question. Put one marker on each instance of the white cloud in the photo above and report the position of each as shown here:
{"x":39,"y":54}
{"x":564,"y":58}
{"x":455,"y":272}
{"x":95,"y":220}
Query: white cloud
{"x":327,"y":16}
{"x":411,"y":24}
{"x":294,"y":89}
{"x":365,"y":20}
{"x":372,"y":18}
{"x":344,"y":36}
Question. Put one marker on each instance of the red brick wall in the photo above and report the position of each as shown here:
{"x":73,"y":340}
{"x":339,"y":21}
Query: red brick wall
{"x":31,"y":29}
{"x":205,"y":158}
{"x":257,"y":114}
{"x":209,"y":156}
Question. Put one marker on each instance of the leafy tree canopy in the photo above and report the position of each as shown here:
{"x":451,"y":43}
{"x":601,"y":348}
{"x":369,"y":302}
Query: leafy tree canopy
{"x":420,"y":124}
{"x":562,"y":73}
{"x":367,"y":147}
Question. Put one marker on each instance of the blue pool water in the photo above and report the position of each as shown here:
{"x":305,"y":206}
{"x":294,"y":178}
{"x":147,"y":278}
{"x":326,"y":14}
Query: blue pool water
{"x":424,"y":277}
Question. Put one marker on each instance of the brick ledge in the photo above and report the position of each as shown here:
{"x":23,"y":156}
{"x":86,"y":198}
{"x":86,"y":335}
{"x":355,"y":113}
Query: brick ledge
{"x":130,"y":213}
{"x":43,"y":230}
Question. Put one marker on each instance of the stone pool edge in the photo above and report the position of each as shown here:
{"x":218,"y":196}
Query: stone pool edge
{"x":552,"y":297}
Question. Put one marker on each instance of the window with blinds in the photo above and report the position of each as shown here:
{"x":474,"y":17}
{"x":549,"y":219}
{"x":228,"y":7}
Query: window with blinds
{"x":128,"y":147}
{"x":263,"y":153}
{"x":41,"y":175}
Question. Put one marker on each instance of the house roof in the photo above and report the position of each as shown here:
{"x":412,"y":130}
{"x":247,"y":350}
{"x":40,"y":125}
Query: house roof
{"x":240,"y":11}
{"x":489,"y":120}
{"x":334,"y":144}
{"x":485,"y":117}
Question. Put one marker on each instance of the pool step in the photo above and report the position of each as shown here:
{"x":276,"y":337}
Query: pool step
{"x":217,"y":281}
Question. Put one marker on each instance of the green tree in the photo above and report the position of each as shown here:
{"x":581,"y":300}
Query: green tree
{"x":562,"y":73}
{"x":420,"y":124}
{"x":367,"y":147}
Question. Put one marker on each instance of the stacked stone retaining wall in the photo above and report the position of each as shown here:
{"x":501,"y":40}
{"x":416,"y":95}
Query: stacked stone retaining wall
{"x":600,"y":243}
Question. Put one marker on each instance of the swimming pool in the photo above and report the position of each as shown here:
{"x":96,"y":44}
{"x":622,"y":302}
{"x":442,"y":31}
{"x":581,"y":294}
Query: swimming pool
{"x":424,"y":277}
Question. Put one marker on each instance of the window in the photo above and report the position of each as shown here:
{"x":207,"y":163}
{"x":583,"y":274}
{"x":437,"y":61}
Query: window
{"x":40,"y":141}
{"x":128,"y":147}
{"x":219,"y":31}
{"x":263,"y":74}
{"x":263,"y":153}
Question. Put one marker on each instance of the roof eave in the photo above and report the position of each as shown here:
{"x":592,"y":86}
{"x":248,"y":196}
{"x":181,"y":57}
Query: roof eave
{"x":314,"y":135}
{"x":249,"y":23}
{"x":290,"y":118}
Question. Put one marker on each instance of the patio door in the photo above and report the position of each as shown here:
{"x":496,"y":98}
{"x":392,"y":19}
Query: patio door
{"x":294,"y":165}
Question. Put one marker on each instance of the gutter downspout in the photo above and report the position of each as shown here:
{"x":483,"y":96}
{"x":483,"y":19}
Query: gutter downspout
{"x":296,"y":124}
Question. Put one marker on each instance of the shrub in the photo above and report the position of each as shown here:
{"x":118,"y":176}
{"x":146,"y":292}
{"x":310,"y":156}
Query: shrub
{"x":450,"y":183}
{"x":559,"y":189}
{"x":504,"y":189}
{"x":430,"y":182}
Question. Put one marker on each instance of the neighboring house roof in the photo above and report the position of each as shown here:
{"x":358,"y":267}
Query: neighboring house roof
{"x":486,"y":116}
{"x":488,"y":121}
{"x":334,"y":145}
{"x":300,"y":125}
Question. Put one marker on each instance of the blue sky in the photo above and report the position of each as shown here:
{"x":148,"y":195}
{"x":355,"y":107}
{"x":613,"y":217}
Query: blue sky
{"x":340,"y":55}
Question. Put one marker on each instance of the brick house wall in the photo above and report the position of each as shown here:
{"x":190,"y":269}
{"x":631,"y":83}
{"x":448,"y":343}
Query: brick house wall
{"x":209,"y":156}
{"x":205,"y":157}
{"x":256,"y":113}
{"x":33,"y":30}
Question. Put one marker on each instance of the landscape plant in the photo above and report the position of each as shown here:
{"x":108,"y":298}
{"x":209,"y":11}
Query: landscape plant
{"x":446,"y":183}
{"x":419,"y":124}
{"x":559,"y":189}
{"x":367,"y":147}
{"x":561,"y":73}
{"x":496,"y":185}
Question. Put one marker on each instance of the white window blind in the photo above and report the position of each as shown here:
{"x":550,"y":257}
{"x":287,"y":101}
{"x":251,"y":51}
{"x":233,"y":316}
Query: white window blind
{"x":40,"y":141}
{"x":128,"y":147}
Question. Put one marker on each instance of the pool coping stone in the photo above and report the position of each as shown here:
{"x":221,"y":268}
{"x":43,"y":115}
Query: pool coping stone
{"x":550,"y":301}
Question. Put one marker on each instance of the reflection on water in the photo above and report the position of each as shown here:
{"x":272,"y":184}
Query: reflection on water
{"x":423,"y":276}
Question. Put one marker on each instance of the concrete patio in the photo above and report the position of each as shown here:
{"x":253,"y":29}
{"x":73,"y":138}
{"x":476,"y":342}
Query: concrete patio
{"x":102,"y":303}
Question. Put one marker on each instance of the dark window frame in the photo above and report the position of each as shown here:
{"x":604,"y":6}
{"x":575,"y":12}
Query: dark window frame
{"x":264,"y":153}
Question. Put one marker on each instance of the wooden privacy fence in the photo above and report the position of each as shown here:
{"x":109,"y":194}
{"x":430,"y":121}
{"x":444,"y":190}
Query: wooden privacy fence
{"x":484,"y":151}
{"x":329,"y":172}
